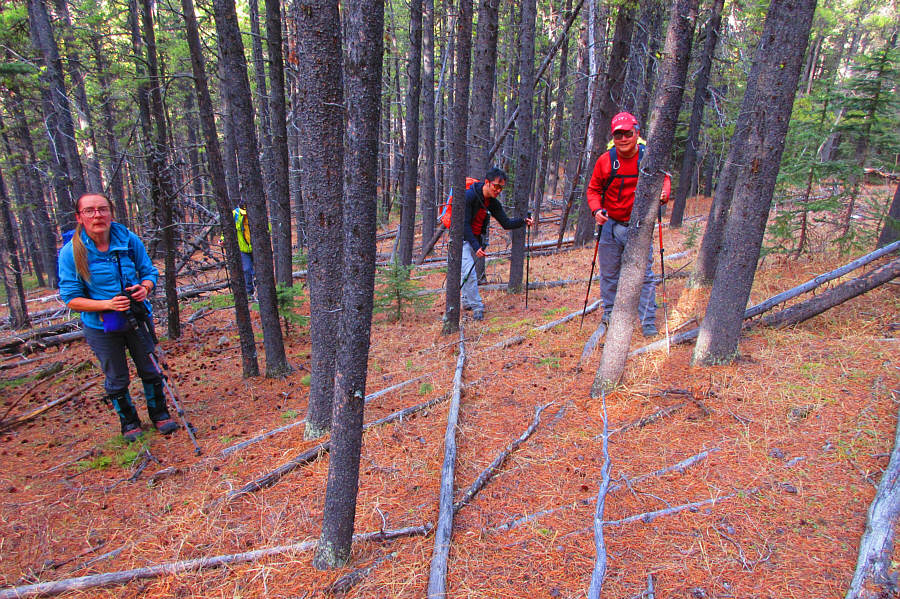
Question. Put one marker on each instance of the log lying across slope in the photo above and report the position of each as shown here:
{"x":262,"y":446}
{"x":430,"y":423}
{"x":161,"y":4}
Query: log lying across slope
{"x":812,"y":307}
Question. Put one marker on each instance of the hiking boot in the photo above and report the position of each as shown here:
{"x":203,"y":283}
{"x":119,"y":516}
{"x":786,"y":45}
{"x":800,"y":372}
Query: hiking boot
{"x":649,"y":330}
{"x":478,"y":314}
{"x":165,"y":425}
{"x":131,"y":431}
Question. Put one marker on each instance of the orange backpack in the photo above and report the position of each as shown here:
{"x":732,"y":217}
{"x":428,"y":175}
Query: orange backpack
{"x":447,"y":208}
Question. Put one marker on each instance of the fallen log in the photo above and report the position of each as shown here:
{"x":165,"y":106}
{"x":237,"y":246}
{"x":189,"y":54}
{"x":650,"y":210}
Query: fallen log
{"x":599,"y":571}
{"x":9,"y":365}
{"x":43,"y":381}
{"x":313,"y":453}
{"x":36,"y":345}
{"x":488,"y":473}
{"x":48,"y":589}
{"x":12,"y":342}
{"x":267,"y":434}
{"x":808,"y":308}
{"x":875,"y":575}
{"x":37,"y":412}
{"x":437,"y":577}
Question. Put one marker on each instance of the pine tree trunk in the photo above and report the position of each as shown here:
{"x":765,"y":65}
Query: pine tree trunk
{"x":46,"y":228}
{"x":279,"y":188}
{"x":411,"y":156}
{"x":161,"y":176}
{"x":577,"y":133}
{"x":237,"y":86}
{"x":525,"y":150}
{"x":320,"y":119}
{"x":780,"y":55}
{"x":646,"y":198}
{"x":890,"y":230}
{"x":9,"y":264}
{"x":701,"y":95}
{"x":364,"y":27}
{"x":429,"y":183}
{"x":458,"y":162}
{"x":61,"y":129}
{"x":249,"y":361}
{"x":484,"y":69}
{"x":562,"y":88}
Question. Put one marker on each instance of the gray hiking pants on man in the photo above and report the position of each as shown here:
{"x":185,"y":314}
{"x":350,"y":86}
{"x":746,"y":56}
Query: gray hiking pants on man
{"x":612,"y":243}
{"x":468,"y":294}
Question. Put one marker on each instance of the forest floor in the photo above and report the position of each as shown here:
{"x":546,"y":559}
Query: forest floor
{"x":797,"y":432}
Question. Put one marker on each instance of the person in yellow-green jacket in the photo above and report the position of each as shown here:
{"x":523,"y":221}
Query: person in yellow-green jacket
{"x":242,"y":225}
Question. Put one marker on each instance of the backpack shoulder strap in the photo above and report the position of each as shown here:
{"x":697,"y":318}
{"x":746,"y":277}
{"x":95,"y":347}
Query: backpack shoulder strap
{"x":613,"y":170}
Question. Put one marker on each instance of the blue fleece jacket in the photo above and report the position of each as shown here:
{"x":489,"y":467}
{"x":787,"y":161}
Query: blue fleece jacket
{"x":105,"y":282}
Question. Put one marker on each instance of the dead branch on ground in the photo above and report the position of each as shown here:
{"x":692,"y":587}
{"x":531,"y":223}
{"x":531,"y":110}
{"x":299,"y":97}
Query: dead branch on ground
{"x":437,"y":577}
{"x":345,"y":583}
{"x":37,"y":412}
{"x":599,"y":570}
{"x":48,"y":589}
{"x":488,"y":473}
{"x":544,"y":327}
{"x":873,"y":576}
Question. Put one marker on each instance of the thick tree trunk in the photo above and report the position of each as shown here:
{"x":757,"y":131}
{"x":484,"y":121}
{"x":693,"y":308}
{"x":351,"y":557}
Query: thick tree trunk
{"x":364,"y":27}
{"x":46,"y":229}
{"x":411,"y":156}
{"x":9,"y":264}
{"x":890,"y":230}
{"x":61,"y":130}
{"x":458,"y":162}
{"x":780,"y":54}
{"x":320,"y":119}
{"x":249,"y":362}
{"x":279,"y":187}
{"x":646,"y":198}
{"x":484,"y":69}
{"x":578,"y":131}
{"x":525,"y":145}
{"x":237,"y":87}
{"x":161,"y":176}
{"x":429,"y":186}
{"x":701,"y":95}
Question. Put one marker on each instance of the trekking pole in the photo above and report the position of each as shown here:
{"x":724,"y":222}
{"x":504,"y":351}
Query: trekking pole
{"x":474,"y":262}
{"x":591,"y":277}
{"x":145,"y":332}
{"x":662,"y":269}
{"x":527,"y":259}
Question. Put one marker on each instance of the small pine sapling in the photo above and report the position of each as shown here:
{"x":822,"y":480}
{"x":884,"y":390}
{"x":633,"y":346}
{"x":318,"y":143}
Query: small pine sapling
{"x":395,"y":290}
{"x":290,"y":299}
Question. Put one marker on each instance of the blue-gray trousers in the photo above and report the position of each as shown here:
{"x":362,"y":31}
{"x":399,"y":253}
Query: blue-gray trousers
{"x":613,"y":236}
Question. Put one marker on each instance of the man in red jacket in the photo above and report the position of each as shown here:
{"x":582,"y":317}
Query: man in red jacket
{"x":610,"y":196}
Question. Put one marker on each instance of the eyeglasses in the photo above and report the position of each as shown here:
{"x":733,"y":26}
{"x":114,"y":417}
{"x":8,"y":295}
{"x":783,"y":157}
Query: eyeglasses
{"x":623,"y":134}
{"x":101,"y":211}
{"x":498,"y":186}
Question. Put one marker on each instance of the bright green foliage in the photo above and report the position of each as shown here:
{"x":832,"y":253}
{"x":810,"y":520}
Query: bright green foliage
{"x":395,"y":291}
{"x":290,"y":300}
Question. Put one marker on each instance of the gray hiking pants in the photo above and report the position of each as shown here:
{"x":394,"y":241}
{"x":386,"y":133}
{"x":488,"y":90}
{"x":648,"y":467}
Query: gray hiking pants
{"x":110,"y":351}
{"x":468,"y":294}
{"x":609,"y":254}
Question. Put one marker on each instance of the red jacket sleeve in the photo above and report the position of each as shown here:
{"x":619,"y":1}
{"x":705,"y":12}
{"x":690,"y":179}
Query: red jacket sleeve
{"x":601,"y":174}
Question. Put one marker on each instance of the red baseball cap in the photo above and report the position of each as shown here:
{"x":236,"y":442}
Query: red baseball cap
{"x":624,"y":121}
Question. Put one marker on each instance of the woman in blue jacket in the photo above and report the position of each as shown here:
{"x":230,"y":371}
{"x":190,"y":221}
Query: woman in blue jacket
{"x":102,"y":261}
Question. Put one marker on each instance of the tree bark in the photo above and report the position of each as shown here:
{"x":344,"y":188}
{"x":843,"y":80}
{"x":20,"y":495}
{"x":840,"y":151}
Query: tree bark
{"x":525,"y":144}
{"x":411,"y":155}
{"x":890,"y":230}
{"x":237,"y":87}
{"x":249,"y":363}
{"x":484,"y":69}
{"x":701,"y":96}
{"x":458,"y":162}
{"x":646,"y":198}
{"x":562,"y":87}
{"x":320,"y":119}
{"x":61,"y":129}
{"x":9,"y":264}
{"x":279,"y":189}
{"x":780,"y":54}
{"x":161,"y":176}
{"x":429,"y":184}
{"x":364,"y":26}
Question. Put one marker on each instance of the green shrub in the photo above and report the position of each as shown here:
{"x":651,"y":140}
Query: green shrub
{"x":395,"y":290}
